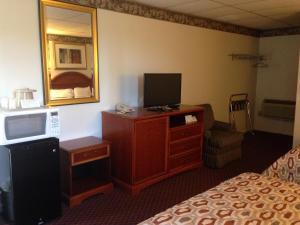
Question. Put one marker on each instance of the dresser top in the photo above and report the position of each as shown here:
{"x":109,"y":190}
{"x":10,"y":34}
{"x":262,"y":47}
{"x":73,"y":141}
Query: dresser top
{"x":142,"y":113}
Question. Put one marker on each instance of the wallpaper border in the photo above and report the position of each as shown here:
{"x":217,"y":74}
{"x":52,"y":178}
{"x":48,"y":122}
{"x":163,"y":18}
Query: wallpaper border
{"x":280,"y":32}
{"x":165,"y":15}
{"x":162,"y":14}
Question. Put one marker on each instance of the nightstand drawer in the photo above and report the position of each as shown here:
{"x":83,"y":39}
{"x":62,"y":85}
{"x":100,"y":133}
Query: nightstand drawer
{"x":185,"y":132}
{"x":93,"y":154}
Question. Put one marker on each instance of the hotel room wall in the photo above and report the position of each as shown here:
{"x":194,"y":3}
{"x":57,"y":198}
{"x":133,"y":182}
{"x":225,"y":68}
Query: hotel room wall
{"x":20,"y":58}
{"x":128,"y":47}
{"x":278,"y":80}
{"x":131,"y":45}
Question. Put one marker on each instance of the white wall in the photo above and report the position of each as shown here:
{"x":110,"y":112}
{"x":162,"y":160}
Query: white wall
{"x":128,"y":47}
{"x":20,"y":62}
{"x":278,"y":80}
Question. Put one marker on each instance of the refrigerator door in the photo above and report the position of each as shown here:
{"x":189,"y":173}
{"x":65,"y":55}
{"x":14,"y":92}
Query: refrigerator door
{"x":35,"y":181}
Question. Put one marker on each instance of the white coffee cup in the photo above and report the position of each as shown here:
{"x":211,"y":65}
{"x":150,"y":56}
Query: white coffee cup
{"x":4,"y":102}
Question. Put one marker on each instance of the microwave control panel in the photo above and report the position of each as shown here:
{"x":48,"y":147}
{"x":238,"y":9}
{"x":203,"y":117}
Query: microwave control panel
{"x":55,"y":126}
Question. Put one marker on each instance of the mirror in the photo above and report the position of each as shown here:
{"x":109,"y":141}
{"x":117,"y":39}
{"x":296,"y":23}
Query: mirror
{"x":69,"y":53}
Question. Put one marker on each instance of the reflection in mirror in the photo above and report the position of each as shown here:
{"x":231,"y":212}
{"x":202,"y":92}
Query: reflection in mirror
{"x":70,"y":61}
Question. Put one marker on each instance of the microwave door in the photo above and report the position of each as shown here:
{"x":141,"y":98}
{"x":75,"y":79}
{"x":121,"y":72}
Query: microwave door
{"x":25,"y":127}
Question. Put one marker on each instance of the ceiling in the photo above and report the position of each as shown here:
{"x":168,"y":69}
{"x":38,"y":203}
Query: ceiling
{"x":257,"y":14}
{"x":67,"y":22}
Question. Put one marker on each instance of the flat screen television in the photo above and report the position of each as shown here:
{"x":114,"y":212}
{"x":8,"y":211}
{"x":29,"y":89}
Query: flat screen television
{"x":162,"y":89}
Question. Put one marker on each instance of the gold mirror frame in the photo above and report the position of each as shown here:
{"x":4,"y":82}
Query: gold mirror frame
{"x":45,"y":63}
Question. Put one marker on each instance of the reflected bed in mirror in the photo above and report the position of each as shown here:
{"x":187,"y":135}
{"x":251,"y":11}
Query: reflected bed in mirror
{"x":70,"y":85}
{"x":69,"y":47}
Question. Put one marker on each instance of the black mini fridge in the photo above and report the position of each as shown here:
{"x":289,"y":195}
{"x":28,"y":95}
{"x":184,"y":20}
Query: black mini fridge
{"x":31,"y":185}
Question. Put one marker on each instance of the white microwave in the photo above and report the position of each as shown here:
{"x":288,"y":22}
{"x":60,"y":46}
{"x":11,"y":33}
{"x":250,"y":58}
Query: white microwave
{"x":28,"y":124}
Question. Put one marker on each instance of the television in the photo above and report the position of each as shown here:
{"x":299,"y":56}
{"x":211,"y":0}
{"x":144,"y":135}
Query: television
{"x":162,"y":89}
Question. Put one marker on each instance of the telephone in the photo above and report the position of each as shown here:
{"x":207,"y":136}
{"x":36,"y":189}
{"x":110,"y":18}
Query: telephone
{"x":122,"y":108}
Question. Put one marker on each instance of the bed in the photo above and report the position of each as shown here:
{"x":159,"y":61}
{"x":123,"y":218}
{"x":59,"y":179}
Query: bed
{"x":71,"y":84}
{"x":272,"y":197}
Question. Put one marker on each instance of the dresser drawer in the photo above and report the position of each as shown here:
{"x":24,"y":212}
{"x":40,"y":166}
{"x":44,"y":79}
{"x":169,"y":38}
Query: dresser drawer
{"x":185,"y":132}
{"x":183,"y":146}
{"x":93,"y":154}
{"x":185,"y":160}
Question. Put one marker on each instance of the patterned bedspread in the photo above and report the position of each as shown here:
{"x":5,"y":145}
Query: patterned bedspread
{"x":248,"y":199}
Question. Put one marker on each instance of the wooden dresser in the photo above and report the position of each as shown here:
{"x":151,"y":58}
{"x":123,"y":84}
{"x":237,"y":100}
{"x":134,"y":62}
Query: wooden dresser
{"x":147,"y":147}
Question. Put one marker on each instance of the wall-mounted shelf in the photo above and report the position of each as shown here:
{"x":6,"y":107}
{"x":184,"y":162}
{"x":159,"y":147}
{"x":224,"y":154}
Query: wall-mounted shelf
{"x":258,"y":59}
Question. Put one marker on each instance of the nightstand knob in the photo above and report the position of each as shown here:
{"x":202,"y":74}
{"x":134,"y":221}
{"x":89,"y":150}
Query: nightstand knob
{"x":54,"y":150}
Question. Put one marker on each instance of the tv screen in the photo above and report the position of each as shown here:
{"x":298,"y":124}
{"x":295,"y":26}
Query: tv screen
{"x":161,"y":89}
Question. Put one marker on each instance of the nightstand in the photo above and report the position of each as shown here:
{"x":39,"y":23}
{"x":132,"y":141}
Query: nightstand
{"x":85,"y":168}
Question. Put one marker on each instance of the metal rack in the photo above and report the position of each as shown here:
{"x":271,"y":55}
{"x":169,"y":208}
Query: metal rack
{"x":240,"y":102}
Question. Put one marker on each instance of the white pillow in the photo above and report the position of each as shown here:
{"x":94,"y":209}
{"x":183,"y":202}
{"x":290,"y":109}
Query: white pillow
{"x":82,"y":92}
{"x":56,"y":94}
